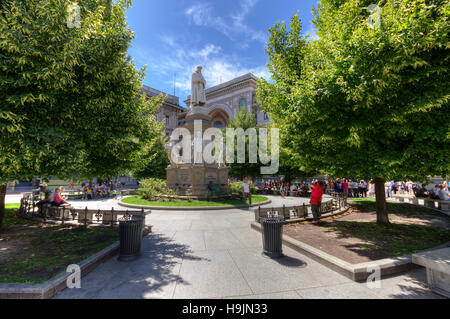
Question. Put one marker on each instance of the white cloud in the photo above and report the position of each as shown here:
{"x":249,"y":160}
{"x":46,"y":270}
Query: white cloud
{"x":179,"y":56}
{"x":207,"y":51}
{"x":217,"y":66}
{"x":169,"y":40}
{"x":202,"y":15}
{"x":238,"y":19}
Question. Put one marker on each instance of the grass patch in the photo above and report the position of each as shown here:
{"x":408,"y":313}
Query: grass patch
{"x":31,"y":252}
{"x":137,"y":200}
{"x":12,"y":206}
{"x":48,"y":251}
{"x":396,"y":239}
{"x":11,"y":219}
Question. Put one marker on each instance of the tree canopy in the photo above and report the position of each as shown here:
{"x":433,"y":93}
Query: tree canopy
{"x":70,"y":101}
{"x":369,"y":97}
{"x":245,"y":121}
{"x":152,"y":161}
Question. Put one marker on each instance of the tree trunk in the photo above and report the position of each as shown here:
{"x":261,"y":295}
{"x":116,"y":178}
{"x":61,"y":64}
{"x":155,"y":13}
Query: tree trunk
{"x":2,"y":203}
{"x":382,"y":215}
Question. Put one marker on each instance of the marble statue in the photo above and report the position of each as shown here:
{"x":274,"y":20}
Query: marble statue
{"x":198,"y":97}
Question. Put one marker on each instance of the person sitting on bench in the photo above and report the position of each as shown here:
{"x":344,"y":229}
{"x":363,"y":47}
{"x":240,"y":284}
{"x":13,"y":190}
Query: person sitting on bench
{"x":423,"y":192}
{"x":60,"y":201}
{"x":443,"y":194}
{"x":47,"y":198}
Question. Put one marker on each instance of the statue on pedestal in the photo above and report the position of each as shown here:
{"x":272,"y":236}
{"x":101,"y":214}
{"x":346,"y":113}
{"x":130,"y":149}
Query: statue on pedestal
{"x":199,"y":177}
{"x":198,"y":97}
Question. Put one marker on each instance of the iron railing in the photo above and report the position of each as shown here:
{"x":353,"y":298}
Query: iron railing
{"x":301,"y":212}
{"x":79,"y":216}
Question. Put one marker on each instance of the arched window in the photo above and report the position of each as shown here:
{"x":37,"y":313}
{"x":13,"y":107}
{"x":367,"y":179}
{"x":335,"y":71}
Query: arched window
{"x":242,"y":103}
{"x":218,"y":124}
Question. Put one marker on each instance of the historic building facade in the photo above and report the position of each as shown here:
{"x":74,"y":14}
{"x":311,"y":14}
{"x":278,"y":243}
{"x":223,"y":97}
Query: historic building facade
{"x":227,"y":99}
{"x":224,"y":102}
{"x":169,"y":111}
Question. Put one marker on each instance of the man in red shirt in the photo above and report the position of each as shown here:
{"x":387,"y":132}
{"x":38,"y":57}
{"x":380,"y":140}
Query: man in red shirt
{"x":316,"y":200}
{"x":345,"y":187}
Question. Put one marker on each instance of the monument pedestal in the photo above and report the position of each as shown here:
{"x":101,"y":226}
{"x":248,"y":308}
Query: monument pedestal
{"x":199,"y":180}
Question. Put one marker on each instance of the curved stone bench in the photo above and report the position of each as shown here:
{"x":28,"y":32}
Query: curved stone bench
{"x":427,"y":202}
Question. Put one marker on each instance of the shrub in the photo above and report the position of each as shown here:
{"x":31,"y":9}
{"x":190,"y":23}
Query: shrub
{"x":236,"y":188}
{"x":152,"y":188}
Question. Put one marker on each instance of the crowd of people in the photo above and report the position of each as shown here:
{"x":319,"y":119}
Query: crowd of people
{"x":90,"y":190}
{"x":304,"y":188}
{"x":101,"y":189}
{"x":439,"y":192}
{"x":349,"y":188}
{"x":285,"y":189}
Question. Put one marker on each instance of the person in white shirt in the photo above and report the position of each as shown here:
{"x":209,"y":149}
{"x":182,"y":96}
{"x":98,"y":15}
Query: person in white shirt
{"x":363,"y":188}
{"x":436,"y":191}
{"x":246,"y":191}
{"x":443,"y":194}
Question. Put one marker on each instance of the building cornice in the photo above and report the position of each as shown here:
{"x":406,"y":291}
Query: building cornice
{"x":230,"y":86}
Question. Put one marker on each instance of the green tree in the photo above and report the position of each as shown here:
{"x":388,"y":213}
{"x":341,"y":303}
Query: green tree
{"x":291,"y":166}
{"x":69,"y":97}
{"x":245,"y":121}
{"x":365,"y":99}
{"x":153,"y":160}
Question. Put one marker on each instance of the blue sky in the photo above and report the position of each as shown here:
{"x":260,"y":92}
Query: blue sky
{"x":226,"y":37}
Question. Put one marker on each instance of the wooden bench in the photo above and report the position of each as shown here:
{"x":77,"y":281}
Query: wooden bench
{"x":437,"y":263}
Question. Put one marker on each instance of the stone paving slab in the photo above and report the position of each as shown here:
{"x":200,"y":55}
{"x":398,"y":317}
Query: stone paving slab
{"x":194,"y":238}
{"x":410,"y":285}
{"x":215,"y":275}
{"x":344,"y":291}
{"x":215,"y":254}
{"x":277,"y":295}
{"x":221,"y":239}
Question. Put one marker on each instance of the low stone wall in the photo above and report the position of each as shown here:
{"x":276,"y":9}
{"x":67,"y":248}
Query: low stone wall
{"x":441,"y":205}
{"x":355,"y":272}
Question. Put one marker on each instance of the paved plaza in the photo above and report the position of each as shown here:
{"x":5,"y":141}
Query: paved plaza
{"x":215,"y":254}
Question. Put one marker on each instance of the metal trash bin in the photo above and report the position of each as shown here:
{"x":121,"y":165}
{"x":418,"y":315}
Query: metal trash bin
{"x":272,"y":232}
{"x":130,"y":238}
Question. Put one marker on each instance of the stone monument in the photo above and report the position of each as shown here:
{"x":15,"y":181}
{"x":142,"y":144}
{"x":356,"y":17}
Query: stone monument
{"x":197,"y":179}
